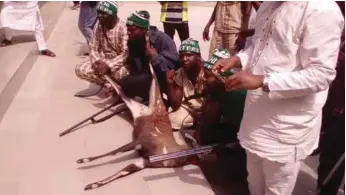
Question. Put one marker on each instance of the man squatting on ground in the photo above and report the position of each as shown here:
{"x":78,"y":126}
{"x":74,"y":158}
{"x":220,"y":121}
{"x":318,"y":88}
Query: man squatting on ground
{"x":147,"y":45}
{"x":108,"y":47}
{"x":185,"y":82}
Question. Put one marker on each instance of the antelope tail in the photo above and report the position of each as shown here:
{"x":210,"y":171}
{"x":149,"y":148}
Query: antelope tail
{"x":129,"y":169}
{"x":125,"y":148}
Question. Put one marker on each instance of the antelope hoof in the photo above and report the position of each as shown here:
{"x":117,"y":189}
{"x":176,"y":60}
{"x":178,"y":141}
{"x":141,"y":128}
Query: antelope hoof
{"x":92,"y":186}
{"x":83,"y":160}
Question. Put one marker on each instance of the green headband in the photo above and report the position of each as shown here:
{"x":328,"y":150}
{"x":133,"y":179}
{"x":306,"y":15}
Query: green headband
{"x":218,"y":54}
{"x":190,"y":45}
{"x":109,"y":7}
{"x":140,"y":19}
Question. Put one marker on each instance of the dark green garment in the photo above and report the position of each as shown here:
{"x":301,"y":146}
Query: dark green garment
{"x":232,"y":107}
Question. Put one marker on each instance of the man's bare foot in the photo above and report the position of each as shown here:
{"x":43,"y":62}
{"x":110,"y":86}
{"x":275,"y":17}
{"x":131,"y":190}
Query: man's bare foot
{"x":47,"y":52}
{"x":5,"y":42}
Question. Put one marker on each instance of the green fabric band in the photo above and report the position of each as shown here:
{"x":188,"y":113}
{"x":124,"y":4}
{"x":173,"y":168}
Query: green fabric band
{"x":190,"y":45}
{"x":109,"y":7}
{"x":140,"y":19}
{"x":218,"y":54}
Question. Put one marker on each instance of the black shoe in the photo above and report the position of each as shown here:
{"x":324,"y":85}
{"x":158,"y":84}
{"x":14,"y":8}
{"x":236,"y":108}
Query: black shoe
{"x":5,"y":43}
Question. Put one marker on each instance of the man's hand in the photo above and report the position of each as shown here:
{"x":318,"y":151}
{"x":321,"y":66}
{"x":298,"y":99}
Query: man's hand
{"x":240,"y":43}
{"x":170,"y":76}
{"x":206,"y":33}
{"x":223,"y":65}
{"x":150,"y":51}
{"x":212,"y":83}
{"x":243,"y":80}
{"x":100,"y":68}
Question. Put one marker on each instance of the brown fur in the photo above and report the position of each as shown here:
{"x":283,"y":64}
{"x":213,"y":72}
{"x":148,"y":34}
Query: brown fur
{"x":152,"y":135}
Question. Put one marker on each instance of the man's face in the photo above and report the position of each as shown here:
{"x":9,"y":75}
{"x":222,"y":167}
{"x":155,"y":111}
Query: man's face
{"x":105,"y":19}
{"x":135,"y":32}
{"x":189,"y":59}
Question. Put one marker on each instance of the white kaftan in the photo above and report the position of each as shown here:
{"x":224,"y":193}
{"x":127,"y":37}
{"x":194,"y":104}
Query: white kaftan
{"x":296,"y":44}
{"x":24,"y":16}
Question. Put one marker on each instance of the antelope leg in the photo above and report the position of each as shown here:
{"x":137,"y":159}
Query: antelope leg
{"x":127,"y":147}
{"x":129,"y":169}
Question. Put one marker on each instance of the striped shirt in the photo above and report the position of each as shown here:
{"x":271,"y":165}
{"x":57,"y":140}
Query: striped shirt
{"x":113,"y":52}
{"x":174,"y":12}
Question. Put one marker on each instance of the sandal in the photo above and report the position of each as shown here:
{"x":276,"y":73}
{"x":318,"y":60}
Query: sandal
{"x":5,"y":43}
{"x":47,"y":52}
{"x":88,"y":92}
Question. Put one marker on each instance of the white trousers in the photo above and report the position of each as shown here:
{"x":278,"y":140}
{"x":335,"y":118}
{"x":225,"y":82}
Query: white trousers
{"x":39,"y":37}
{"x":267,"y":177}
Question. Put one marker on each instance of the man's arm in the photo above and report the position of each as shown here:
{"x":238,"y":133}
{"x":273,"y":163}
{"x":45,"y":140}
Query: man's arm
{"x":95,"y":44}
{"x":175,"y":95}
{"x":318,"y":56}
{"x":213,"y":16}
{"x":120,"y":59}
{"x":246,"y":7}
{"x":256,"y":4}
{"x":168,"y":57}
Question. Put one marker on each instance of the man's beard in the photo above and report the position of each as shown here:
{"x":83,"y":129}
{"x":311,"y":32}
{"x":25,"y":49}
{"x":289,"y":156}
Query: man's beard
{"x":137,"y":46}
{"x":137,"y":51}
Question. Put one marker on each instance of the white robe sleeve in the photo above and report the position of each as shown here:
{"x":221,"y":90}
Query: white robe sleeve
{"x":245,"y":55}
{"x":318,"y":55}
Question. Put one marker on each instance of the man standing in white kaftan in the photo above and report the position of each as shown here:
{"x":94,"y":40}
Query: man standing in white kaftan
{"x":24,"y":16}
{"x":287,"y":70}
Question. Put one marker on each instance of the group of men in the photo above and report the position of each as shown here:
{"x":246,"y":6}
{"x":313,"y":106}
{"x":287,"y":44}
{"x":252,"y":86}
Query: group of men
{"x":284,"y":71}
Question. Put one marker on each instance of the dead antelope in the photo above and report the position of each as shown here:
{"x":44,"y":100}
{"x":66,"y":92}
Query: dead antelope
{"x":152,"y":135}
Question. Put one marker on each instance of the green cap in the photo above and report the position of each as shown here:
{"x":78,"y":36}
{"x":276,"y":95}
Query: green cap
{"x":109,"y":7}
{"x":220,"y":53}
{"x":140,"y":19}
{"x":190,"y":45}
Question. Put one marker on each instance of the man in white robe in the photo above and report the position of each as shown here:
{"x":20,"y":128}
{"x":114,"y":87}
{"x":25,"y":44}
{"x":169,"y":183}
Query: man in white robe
{"x":287,"y":70}
{"x":23,"y":16}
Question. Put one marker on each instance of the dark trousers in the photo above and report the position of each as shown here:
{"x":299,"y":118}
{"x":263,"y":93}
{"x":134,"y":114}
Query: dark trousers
{"x":138,"y":84}
{"x":87,"y":19}
{"x":331,"y":150}
{"x":182,"y":29}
